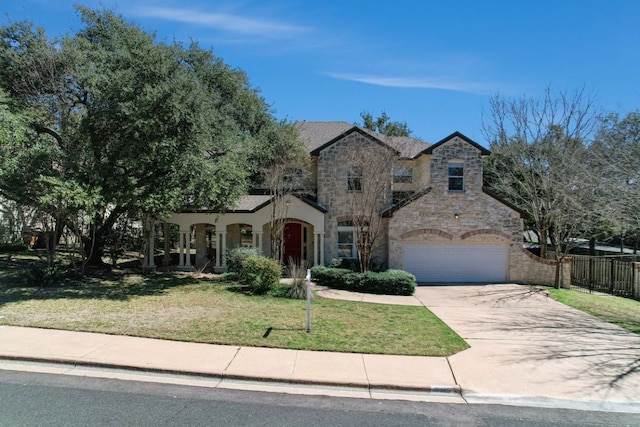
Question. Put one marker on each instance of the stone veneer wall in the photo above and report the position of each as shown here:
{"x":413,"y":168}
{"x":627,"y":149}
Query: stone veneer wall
{"x":540,"y":271}
{"x":333,"y":163}
{"x":481,"y":218}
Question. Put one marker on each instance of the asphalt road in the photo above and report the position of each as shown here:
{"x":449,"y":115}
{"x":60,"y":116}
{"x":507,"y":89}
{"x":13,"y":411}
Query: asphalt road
{"x":31,"y":399}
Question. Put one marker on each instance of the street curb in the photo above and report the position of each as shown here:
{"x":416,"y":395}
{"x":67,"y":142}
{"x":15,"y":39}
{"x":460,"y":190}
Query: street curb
{"x":432,"y":389}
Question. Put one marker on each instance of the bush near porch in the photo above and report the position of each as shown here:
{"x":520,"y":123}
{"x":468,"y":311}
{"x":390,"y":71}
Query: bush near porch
{"x":390,"y":282}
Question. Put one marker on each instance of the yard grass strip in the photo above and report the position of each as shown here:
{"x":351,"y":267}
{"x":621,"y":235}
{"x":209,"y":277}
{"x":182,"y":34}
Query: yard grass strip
{"x":185,"y":308}
{"x":623,"y":312}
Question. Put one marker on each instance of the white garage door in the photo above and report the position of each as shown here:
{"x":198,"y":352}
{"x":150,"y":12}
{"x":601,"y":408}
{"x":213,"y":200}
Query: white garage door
{"x":481,"y":262}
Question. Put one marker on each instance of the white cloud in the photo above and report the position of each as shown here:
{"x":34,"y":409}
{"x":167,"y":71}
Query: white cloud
{"x":225,"y":22}
{"x":442,"y":83}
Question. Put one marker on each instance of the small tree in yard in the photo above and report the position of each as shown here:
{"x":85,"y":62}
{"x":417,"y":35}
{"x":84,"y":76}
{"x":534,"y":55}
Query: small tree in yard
{"x":540,"y":164}
{"x":283,"y":176}
{"x":370,"y":183}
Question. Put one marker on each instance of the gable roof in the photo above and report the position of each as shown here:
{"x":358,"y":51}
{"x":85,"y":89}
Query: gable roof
{"x":254,"y":202}
{"x":316,"y":134}
{"x":483,"y":151}
{"x":319,"y":135}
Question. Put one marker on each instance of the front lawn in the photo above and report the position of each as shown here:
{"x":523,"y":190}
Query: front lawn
{"x":623,"y":312}
{"x":187,"y":308}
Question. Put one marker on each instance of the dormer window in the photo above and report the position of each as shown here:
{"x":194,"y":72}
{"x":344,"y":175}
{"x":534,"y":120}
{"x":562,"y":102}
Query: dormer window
{"x":354,"y":179}
{"x":456,"y":176}
{"x":402,"y":174}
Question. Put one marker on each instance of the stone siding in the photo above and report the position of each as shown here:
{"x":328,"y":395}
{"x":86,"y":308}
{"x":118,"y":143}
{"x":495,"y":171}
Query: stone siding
{"x":470,"y":216}
{"x":333,"y":164}
{"x":539,"y":271}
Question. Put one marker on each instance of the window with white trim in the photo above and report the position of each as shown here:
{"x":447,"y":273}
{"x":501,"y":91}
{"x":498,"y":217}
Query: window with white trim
{"x":347,"y":240}
{"x":456,"y":176}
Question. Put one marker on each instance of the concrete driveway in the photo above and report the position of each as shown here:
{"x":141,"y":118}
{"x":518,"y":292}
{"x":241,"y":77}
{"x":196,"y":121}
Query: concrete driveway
{"x":525,"y":345}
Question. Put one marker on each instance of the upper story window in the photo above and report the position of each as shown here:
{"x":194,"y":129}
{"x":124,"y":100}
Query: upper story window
{"x":403,"y":174}
{"x":456,"y":176}
{"x":354,"y":178}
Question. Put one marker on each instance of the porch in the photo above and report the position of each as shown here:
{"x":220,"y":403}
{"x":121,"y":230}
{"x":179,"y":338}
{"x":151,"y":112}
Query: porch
{"x":202,"y":239}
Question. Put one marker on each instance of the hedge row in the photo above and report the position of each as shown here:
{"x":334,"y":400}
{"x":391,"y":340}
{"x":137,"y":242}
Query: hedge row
{"x":13,"y":247}
{"x":390,"y":282}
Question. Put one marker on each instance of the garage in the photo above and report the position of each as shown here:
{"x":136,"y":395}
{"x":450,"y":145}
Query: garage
{"x":481,"y":262}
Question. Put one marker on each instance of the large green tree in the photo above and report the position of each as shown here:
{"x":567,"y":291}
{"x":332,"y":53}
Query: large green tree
{"x":384,"y":125}
{"x":139,"y":125}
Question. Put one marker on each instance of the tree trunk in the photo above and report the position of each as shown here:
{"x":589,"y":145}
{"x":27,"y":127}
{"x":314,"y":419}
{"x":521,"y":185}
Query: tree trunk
{"x":94,"y":248}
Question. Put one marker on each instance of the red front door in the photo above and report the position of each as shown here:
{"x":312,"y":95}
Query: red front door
{"x":292,"y":242}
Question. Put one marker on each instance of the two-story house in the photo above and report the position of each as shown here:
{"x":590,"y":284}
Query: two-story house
{"x":436,"y":220}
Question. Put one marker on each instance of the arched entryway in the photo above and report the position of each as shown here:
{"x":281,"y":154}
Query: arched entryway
{"x":298,"y":243}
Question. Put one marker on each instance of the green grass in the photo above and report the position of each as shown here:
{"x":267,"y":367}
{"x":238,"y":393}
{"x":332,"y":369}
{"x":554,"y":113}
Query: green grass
{"x":623,"y":312}
{"x":187,"y":308}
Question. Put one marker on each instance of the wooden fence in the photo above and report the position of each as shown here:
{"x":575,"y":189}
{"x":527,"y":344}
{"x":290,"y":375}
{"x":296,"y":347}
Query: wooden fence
{"x":611,"y":275}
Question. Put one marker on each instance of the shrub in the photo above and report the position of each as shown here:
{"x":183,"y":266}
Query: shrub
{"x":260,"y":274}
{"x":237,"y":256}
{"x":298,"y":287}
{"x":279,"y":290}
{"x":13,"y":247}
{"x":42,"y":276}
{"x":350,"y":264}
{"x":391,"y":282}
{"x":329,"y":276}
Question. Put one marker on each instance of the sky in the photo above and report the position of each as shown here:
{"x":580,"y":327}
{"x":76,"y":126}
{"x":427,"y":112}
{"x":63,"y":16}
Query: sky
{"x":431,"y":64}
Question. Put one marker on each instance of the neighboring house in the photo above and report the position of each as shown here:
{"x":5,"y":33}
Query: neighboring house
{"x":438,"y":222}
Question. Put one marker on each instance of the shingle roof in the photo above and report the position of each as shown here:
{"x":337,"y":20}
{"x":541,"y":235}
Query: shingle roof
{"x":254,"y":202}
{"x":250,"y":203}
{"x":407,"y":146}
{"x":316,"y":134}
{"x":483,"y":151}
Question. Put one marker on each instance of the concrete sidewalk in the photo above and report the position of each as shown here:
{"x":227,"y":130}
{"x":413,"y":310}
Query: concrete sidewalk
{"x":368,"y":375}
{"x":525,"y":349}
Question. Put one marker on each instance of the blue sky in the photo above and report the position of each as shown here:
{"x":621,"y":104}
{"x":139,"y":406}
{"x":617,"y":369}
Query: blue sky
{"x":433,"y":64}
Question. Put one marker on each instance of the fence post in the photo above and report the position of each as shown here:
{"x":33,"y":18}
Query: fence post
{"x":565,"y":276}
{"x":592,"y":269}
{"x":636,"y":280}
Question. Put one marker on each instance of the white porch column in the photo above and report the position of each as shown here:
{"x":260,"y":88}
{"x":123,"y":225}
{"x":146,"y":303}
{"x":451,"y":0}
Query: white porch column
{"x":223,"y":248}
{"x":184,"y":263}
{"x":151,"y":263}
{"x":187,"y":238}
{"x":180,"y":249}
{"x":166,"y":259}
{"x":218,"y":248}
{"x":321,"y":248}
{"x":316,"y":255}
{"x":258,"y":240}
